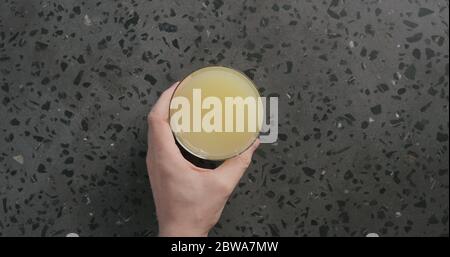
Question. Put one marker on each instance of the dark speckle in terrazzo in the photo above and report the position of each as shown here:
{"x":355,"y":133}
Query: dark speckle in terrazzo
{"x":363,"y":110}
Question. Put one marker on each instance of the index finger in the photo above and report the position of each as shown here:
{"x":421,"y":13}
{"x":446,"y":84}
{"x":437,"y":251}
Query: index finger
{"x":161,"y":108}
{"x":160,"y":133}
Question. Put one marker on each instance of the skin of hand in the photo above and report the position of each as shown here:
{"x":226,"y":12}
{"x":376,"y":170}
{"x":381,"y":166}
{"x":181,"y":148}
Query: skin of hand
{"x":189,"y":200}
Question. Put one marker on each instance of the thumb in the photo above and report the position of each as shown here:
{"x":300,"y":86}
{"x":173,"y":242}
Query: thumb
{"x":232,"y":169}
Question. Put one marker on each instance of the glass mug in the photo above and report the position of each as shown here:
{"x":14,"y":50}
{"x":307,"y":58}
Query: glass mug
{"x":215,"y":114}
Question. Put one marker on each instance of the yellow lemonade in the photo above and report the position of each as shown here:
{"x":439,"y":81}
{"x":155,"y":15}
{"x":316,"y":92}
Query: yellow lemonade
{"x":222,"y":113}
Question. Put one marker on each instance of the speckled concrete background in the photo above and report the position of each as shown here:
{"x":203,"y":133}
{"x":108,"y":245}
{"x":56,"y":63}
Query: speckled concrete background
{"x":364,"y":96}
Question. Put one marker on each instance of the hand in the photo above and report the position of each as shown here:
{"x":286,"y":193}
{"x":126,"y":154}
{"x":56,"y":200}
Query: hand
{"x":189,"y":200}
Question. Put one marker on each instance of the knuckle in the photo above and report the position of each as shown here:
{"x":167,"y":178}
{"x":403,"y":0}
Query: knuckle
{"x":225,"y":188}
{"x":153,"y":117}
{"x":165,"y":93}
{"x":148,"y":160}
{"x":245,"y":160}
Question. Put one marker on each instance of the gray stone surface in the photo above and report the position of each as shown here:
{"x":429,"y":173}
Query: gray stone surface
{"x":364,"y":96}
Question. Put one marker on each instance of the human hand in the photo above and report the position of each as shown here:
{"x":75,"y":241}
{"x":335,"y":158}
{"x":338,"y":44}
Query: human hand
{"x":189,"y":200}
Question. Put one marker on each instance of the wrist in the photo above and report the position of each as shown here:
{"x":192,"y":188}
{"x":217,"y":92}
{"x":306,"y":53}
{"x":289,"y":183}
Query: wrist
{"x":180,"y":231}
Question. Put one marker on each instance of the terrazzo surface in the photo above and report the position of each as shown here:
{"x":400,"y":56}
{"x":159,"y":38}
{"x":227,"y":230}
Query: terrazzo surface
{"x":364,"y":96}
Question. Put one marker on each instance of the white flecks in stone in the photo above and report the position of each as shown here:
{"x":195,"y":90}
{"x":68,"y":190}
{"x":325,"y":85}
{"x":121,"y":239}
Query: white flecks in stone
{"x":87,"y":20}
{"x":397,"y":115}
{"x":323,"y":172}
{"x":72,"y":235}
{"x":398,"y":214}
{"x":363,"y":66}
{"x":339,"y":125}
{"x":91,"y":214}
{"x":85,"y":139}
{"x":38,"y":146}
{"x":346,"y":191}
{"x":351,"y":44}
{"x":372,"y":235}
{"x":288,"y":96}
{"x":19,"y":158}
{"x":406,"y":137}
{"x":398,"y":46}
{"x":86,"y":199}
{"x":122,"y":220}
{"x":371,"y":120}
{"x":112,"y":144}
{"x":208,"y":33}
{"x":433,"y":183}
